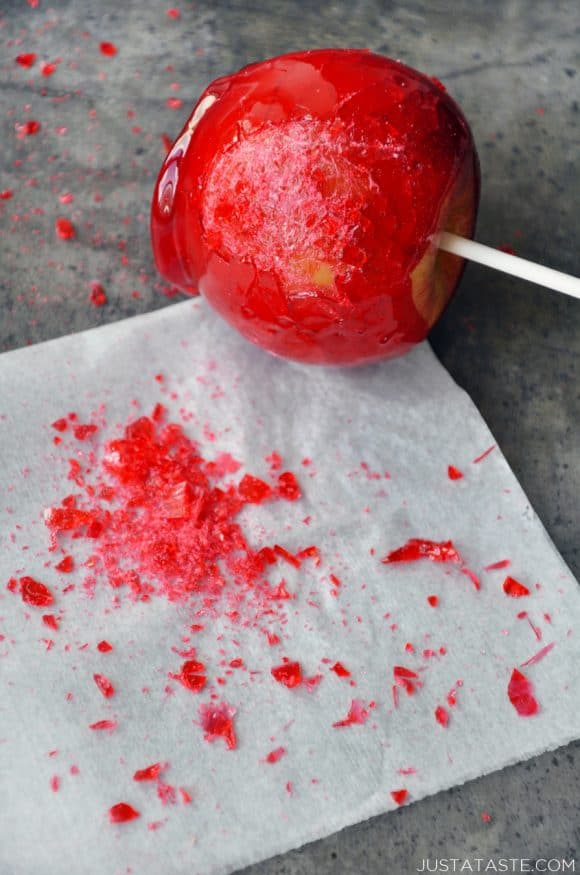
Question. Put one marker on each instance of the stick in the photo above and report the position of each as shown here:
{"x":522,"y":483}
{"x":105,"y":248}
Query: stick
{"x":512,"y":264}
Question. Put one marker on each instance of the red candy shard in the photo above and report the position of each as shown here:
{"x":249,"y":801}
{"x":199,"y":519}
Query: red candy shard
{"x":454,"y":473}
{"x":28,"y":129}
{"x":180,"y":502}
{"x":122,"y":812}
{"x":442,"y":716}
{"x":399,"y":797}
{"x":65,"y":229}
{"x":433,"y":600}
{"x":217,"y":721}
{"x":104,"y":685}
{"x":537,"y":657}
{"x":514,"y":588}
{"x":149,"y":773}
{"x":496,"y":566}
{"x":103,"y":724}
{"x":418,"y":548}
{"x":485,"y":454}
{"x":520,"y":693}
{"x":27,"y":59}
{"x":275,"y":755}
{"x":104,"y":647}
{"x":288,"y":557}
{"x":288,"y":487}
{"x":289,"y":674}
{"x":66,"y":519}
{"x":348,"y":166}
{"x":339,"y":669}
{"x":280,"y":593}
{"x":82,"y":432}
{"x":535,"y":629}
{"x":192,"y":675}
{"x":267,"y":556}
{"x":48,"y":69}
{"x":109,"y":49}
{"x":472,"y":576}
{"x":357,"y":714}
{"x":51,"y":621}
{"x":35,"y":593}
{"x":97,"y":296}
{"x":406,"y":678}
{"x":311,"y":552}
{"x":254,"y":490}
{"x":66,"y":565}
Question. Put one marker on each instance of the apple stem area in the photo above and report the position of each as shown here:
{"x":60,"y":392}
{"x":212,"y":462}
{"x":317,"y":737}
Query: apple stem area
{"x":512,"y":264}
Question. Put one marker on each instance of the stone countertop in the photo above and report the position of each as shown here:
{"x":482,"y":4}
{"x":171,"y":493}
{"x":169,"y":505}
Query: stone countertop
{"x":513,"y":67}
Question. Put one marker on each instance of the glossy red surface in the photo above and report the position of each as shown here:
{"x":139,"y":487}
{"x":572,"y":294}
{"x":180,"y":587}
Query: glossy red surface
{"x":301,"y":200}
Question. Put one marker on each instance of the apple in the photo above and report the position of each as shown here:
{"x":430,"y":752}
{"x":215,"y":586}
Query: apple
{"x":304,"y":197}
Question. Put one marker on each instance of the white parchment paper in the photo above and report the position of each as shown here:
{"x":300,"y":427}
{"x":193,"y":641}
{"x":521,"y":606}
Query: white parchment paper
{"x":379,"y":440}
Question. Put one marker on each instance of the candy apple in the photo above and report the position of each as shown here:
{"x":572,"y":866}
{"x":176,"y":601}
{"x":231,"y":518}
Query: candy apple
{"x":304,"y":197}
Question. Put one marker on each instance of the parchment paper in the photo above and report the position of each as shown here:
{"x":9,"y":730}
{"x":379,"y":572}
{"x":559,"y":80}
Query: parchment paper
{"x":379,"y":440}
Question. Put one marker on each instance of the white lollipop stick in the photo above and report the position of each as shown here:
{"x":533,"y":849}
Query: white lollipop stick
{"x":512,"y":264}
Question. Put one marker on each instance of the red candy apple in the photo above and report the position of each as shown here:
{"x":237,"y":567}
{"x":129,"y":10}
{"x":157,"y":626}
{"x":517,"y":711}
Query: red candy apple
{"x":303,"y":199}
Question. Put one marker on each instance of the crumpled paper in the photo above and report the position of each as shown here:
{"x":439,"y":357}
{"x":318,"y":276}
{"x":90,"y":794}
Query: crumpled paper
{"x":380,"y":440}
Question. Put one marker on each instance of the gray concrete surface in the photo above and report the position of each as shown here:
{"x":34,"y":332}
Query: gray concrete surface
{"x":513,"y":66}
